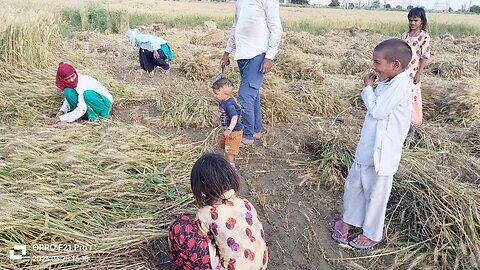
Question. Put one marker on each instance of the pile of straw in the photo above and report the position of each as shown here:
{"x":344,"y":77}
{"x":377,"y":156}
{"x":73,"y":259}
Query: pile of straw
{"x":212,"y":39}
{"x":434,"y":215}
{"x":354,"y":62}
{"x":292,"y":65}
{"x":462,"y":105}
{"x":108,"y":186}
{"x":472,"y":139}
{"x":188,"y":110}
{"x":333,"y":152}
{"x":317,"y":100}
{"x":433,"y":94}
{"x":277,"y":106}
{"x":453,"y":69}
{"x":200,"y":67}
{"x":307,"y":43}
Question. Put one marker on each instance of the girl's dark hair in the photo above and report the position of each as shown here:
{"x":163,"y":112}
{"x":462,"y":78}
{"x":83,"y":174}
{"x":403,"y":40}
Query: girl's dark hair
{"x":419,"y":12}
{"x":212,"y":175}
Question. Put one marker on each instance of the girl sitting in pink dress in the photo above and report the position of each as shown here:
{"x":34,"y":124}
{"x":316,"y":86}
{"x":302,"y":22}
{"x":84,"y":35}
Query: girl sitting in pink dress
{"x":226,"y":233}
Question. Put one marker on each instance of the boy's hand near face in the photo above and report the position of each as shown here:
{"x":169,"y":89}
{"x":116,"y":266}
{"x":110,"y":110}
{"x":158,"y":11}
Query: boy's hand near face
{"x":369,"y":79}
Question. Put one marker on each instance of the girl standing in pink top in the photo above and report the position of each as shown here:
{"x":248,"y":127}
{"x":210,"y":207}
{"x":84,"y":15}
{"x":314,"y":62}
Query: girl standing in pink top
{"x":419,"y":40}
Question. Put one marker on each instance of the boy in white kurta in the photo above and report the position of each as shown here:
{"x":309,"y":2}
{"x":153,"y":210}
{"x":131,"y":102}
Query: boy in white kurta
{"x":386,"y":125}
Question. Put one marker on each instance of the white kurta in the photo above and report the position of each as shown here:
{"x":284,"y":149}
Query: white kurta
{"x":386,"y":124}
{"x":85,"y":83}
{"x":378,"y":154}
{"x":257,"y":29}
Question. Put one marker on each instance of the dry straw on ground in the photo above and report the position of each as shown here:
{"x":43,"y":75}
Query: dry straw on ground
{"x":435,"y":213}
{"x":87,"y":178}
{"x":472,"y":139}
{"x":453,"y":69}
{"x":200,"y":67}
{"x":317,"y":100}
{"x":277,"y":106}
{"x":333,"y":149}
{"x":354,"y":62}
{"x":188,"y":110}
{"x":291,"y":65}
{"x":463,"y":104}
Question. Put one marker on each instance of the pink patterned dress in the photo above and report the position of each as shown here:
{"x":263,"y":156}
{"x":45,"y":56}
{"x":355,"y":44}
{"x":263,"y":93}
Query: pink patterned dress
{"x":236,"y":232}
{"x":420,"y":50}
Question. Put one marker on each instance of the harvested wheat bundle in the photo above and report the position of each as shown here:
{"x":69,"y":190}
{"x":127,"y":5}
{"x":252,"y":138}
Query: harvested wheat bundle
{"x":28,"y":43}
{"x":274,"y":82}
{"x":317,"y":100}
{"x":462,"y":105}
{"x":472,"y":139}
{"x":307,"y":43}
{"x":433,"y":94}
{"x":433,"y":214}
{"x":209,"y":38}
{"x":107,"y":186}
{"x":331,"y":65}
{"x":291,"y":66}
{"x":354,"y":62}
{"x":190,"y":110}
{"x":434,"y":138}
{"x":354,"y":96}
{"x":277,"y":106}
{"x":334,"y":154}
{"x":200,"y":67}
{"x":453,"y":69}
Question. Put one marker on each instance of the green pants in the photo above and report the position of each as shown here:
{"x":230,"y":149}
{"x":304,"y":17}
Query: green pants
{"x":97,"y":105}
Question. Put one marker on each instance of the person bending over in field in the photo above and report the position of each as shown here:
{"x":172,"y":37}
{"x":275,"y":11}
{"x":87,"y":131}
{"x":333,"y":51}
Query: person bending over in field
{"x":387,"y":121}
{"x":153,"y":51}
{"x":84,"y":96}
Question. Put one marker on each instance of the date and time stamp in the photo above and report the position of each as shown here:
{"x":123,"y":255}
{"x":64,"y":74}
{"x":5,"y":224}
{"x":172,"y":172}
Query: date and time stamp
{"x":51,"y":252}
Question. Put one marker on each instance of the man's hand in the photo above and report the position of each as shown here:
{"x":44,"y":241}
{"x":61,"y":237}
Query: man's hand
{"x":156,"y":55}
{"x":54,"y":120}
{"x":417,"y":77}
{"x":369,"y":79}
{"x":227,"y":133}
{"x":225,"y":61}
{"x":266,"y":66}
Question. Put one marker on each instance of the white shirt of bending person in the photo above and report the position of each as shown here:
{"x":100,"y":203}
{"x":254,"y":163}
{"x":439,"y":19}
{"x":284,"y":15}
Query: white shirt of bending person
{"x":386,"y":125}
{"x":257,"y":29}
{"x":85,"y":83}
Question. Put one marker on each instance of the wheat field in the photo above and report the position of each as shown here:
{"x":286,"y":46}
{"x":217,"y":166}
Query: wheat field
{"x":113,"y":186}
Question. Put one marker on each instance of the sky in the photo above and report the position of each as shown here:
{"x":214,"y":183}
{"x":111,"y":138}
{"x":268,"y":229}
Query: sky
{"x":454,"y":4}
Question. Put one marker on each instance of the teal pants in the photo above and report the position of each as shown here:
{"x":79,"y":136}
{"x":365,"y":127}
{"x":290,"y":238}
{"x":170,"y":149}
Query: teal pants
{"x":97,"y":105}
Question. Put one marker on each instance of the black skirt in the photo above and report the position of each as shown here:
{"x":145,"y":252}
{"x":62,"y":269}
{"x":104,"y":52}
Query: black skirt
{"x":148,"y":62}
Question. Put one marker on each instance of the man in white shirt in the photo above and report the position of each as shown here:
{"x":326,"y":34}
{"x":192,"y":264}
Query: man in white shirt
{"x":255,"y":35}
{"x":386,"y":125}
